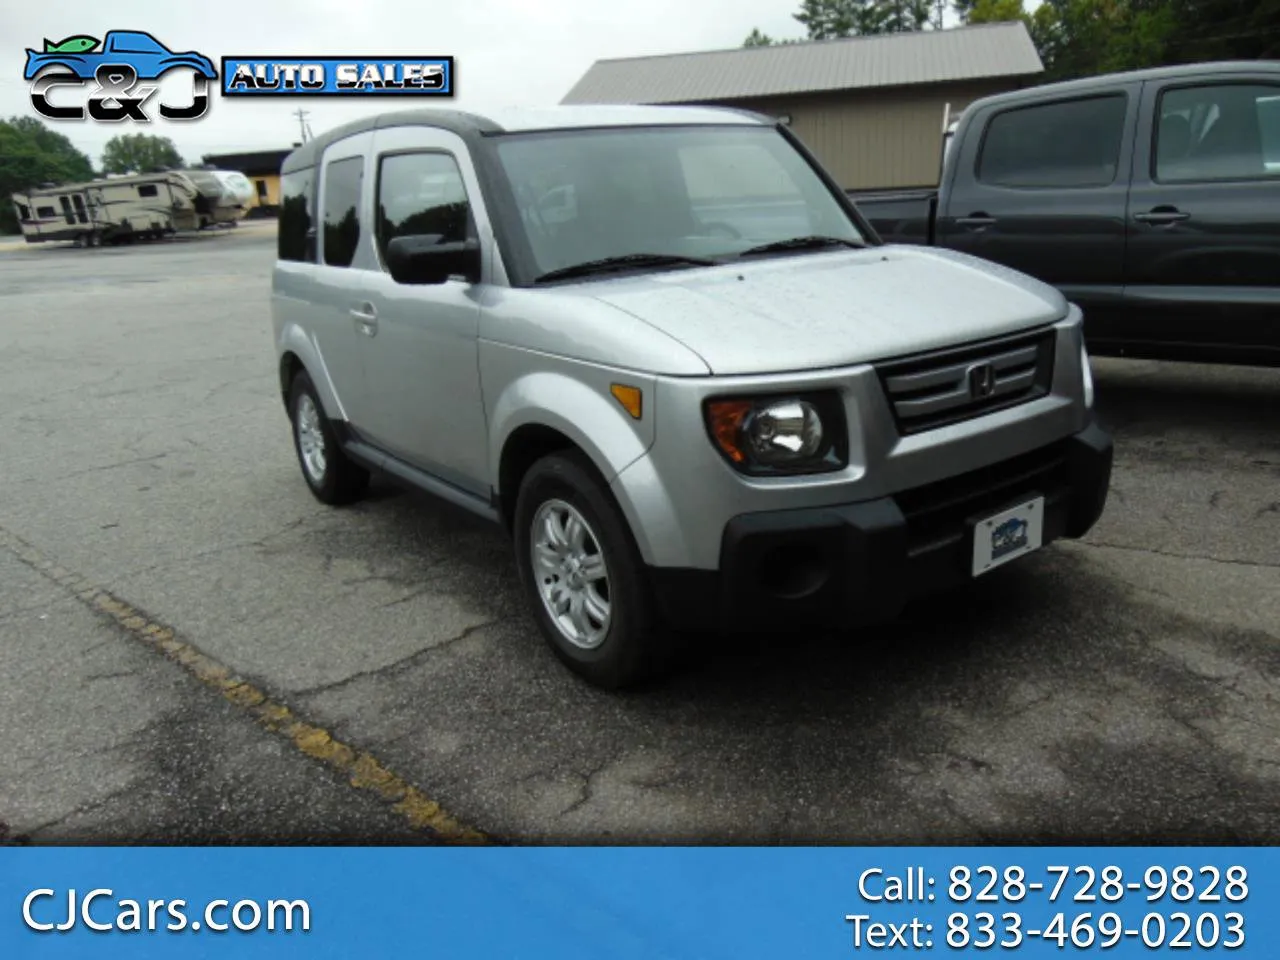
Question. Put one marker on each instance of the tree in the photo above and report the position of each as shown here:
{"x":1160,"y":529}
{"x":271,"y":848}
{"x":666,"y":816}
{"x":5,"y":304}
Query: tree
{"x":834,"y":19}
{"x":905,"y":16}
{"x":830,"y":19}
{"x":32,"y":154}
{"x":1220,"y":30}
{"x":139,"y":153}
{"x":1079,"y":38}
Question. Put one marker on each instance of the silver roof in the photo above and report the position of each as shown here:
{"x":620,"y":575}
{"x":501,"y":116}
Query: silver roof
{"x":519,"y":119}
{"x":890,"y":60}
{"x":512,"y":119}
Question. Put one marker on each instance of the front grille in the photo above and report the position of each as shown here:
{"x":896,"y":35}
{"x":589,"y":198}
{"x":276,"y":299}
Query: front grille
{"x":940,"y":510}
{"x":948,"y":386}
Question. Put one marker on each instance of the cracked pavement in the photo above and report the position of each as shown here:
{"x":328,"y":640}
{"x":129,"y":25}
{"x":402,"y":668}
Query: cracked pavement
{"x":1124,"y":687}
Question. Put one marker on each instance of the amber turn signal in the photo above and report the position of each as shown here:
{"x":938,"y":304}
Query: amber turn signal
{"x":631,"y":398}
{"x":725,"y":418}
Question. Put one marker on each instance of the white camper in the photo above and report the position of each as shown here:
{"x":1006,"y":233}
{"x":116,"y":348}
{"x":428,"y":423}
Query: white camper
{"x":219,"y":202}
{"x":110,"y":210}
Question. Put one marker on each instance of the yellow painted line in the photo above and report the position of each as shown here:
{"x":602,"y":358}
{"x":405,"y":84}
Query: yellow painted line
{"x":362,"y":770}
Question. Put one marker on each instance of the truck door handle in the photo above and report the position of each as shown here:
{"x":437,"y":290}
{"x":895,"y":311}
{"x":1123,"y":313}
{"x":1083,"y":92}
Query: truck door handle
{"x":1162,"y":215}
{"x":975,"y":221}
{"x":366,"y":318}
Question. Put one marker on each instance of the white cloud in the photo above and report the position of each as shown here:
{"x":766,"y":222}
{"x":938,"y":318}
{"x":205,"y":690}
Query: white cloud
{"x":508,"y":52}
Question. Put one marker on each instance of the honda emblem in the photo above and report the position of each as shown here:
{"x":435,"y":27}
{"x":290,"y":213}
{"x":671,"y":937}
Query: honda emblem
{"x":982,"y":380}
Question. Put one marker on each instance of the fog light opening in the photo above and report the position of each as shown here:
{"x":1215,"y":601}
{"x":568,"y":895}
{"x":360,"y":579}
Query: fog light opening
{"x":793,"y":572}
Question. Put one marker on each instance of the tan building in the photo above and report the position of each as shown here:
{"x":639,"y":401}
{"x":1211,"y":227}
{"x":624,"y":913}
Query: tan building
{"x":871,"y":108}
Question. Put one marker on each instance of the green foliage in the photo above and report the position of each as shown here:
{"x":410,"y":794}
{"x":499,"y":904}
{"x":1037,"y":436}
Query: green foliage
{"x":833,"y":19}
{"x":31,"y":154}
{"x":1075,"y":38}
{"x":1079,"y":38}
{"x":139,"y":153}
{"x":1220,"y":29}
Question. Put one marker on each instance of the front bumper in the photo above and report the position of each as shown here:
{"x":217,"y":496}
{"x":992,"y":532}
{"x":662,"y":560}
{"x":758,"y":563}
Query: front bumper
{"x":862,"y":562}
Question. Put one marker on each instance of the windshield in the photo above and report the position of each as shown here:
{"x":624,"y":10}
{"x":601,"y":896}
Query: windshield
{"x":700,"y":192}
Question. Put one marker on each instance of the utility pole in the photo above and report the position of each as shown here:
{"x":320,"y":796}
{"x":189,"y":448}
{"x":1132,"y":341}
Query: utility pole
{"x":303,"y":126}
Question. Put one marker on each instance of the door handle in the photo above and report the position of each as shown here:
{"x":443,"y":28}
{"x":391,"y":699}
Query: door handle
{"x":975,"y":221}
{"x":1161,"y":216}
{"x":366,"y":318}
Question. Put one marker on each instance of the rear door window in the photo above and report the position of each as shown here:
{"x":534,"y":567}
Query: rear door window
{"x":341,"y":210}
{"x":1069,"y":143}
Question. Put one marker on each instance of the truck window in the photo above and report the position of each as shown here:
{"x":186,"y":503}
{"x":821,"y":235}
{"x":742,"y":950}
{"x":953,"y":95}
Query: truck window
{"x":81,"y":213}
{"x":148,"y":190}
{"x":341,"y":205}
{"x":24,"y":212}
{"x":1219,"y":132}
{"x":45,"y":213}
{"x":1070,"y":143}
{"x":420,"y":194}
{"x":293,"y":242}
{"x":66,"y":209}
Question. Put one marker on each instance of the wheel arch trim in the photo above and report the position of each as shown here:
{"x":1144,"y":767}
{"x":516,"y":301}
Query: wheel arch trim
{"x":295,"y":345}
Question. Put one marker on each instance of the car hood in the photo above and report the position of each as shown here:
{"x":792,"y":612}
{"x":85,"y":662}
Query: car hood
{"x":832,"y":309}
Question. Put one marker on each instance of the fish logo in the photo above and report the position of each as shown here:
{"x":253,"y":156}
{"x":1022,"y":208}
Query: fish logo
{"x":117,"y":63}
{"x":82,"y":43}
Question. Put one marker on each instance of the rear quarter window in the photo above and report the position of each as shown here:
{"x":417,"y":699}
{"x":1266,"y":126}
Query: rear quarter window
{"x":296,"y":239}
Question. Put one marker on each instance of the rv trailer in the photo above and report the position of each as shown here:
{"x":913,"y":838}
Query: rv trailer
{"x":110,"y":210}
{"x":239,"y":188}
{"x":218,"y":202}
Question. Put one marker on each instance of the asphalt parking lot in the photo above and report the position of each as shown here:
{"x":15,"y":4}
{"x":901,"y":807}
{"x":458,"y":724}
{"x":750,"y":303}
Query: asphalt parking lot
{"x":192,"y":649}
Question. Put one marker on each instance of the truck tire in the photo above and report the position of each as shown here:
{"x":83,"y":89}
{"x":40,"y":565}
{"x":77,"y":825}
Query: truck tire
{"x":331,"y":476}
{"x":584,"y":576}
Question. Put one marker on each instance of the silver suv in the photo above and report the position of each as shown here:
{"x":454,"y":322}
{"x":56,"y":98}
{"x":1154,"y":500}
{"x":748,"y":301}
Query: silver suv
{"x":663,"y":349}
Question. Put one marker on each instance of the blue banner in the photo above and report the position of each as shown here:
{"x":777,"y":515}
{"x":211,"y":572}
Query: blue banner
{"x":709,"y":903}
{"x":337,"y":76}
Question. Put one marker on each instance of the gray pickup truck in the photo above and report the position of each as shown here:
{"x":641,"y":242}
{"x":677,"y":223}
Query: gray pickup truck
{"x":1151,"y":199}
{"x":663,"y":350}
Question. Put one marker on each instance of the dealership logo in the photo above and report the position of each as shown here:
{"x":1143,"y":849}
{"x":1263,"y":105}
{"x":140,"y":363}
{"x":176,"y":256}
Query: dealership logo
{"x":337,"y":76}
{"x":115,"y":71}
{"x":1008,"y":537}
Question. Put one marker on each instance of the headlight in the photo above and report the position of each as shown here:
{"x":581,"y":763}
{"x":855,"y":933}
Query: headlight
{"x":779,"y":435}
{"x":1087,"y":374}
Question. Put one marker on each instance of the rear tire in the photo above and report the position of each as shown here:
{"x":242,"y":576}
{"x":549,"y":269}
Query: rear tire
{"x":332,"y":477}
{"x":584,"y":576}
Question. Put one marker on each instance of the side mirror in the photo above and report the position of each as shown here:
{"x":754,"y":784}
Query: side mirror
{"x":423,"y":259}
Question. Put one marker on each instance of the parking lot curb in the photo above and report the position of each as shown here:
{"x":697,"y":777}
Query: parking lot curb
{"x":362,"y":770}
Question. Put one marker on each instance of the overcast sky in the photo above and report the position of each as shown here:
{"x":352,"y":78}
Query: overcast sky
{"x":508,"y":52}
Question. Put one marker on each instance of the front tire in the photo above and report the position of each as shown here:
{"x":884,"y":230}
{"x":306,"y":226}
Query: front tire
{"x":584,"y":576}
{"x":331,"y":476}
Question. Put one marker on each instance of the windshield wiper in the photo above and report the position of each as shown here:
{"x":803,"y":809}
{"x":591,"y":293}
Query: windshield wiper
{"x":802,"y":243}
{"x":624,"y":262}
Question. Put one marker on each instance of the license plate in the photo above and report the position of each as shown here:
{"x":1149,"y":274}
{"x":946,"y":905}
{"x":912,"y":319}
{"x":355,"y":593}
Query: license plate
{"x":1007,"y":535}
